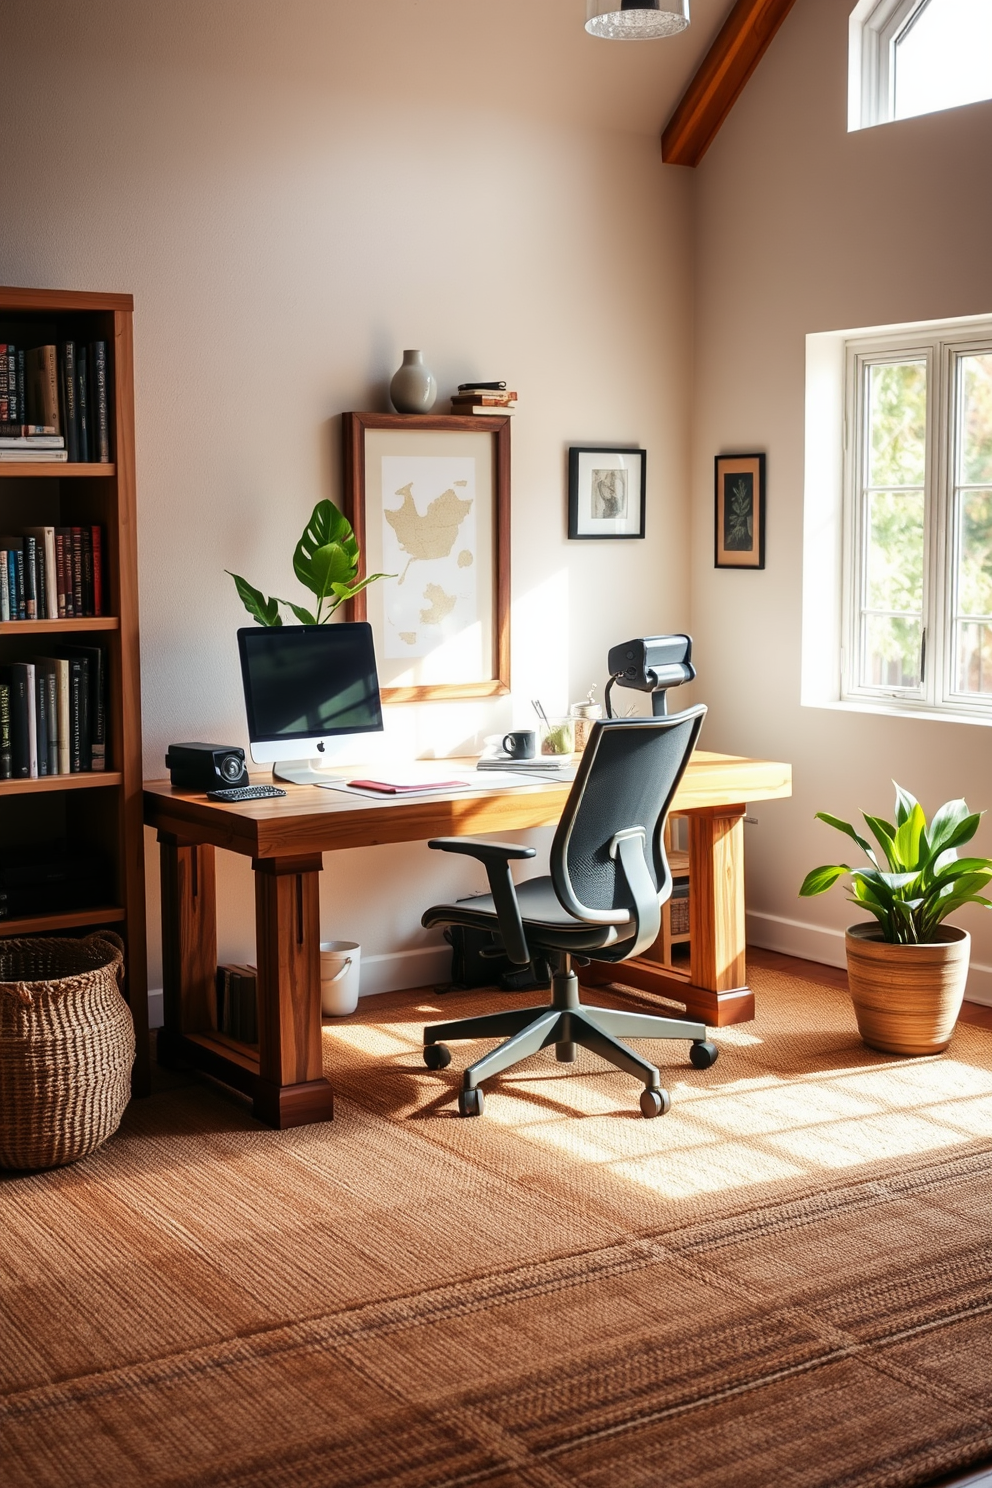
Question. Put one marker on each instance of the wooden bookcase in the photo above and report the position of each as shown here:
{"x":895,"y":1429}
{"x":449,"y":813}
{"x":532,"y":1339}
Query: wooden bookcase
{"x":102,"y":809}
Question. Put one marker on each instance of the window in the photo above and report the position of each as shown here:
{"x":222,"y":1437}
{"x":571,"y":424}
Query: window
{"x":917,"y":541}
{"x":917,"y":56}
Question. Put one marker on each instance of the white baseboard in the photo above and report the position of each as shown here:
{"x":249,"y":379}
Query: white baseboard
{"x":817,"y":943}
{"x":392,"y":971}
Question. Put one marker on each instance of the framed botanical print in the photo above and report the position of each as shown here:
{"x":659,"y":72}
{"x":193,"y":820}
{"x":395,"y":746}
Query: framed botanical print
{"x":739,"y":537}
{"x":606,"y":492}
{"x":428,"y":497}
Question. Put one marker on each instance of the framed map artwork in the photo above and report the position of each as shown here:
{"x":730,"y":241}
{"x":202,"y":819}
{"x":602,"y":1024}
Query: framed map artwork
{"x":429,"y":499}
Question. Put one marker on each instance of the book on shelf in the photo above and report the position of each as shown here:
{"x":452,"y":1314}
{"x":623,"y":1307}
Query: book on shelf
{"x":66,"y":393}
{"x":25,"y":442}
{"x":483,"y":395}
{"x":52,"y":573}
{"x":499,"y":386}
{"x":237,"y":1003}
{"x":482,"y":408}
{"x":35,"y":432}
{"x":54,"y":712}
{"x":34,"y":456}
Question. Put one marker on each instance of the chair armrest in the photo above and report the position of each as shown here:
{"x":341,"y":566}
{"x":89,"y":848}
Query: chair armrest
{"x":628,"y":847}
{"x":486,"y":852}
{"x":495,"y":856}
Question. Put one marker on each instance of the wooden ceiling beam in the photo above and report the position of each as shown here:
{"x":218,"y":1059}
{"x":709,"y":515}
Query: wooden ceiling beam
{"x":720,"y":79}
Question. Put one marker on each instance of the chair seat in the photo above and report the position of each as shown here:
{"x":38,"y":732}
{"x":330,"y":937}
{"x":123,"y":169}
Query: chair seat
{"x":547,"y":924}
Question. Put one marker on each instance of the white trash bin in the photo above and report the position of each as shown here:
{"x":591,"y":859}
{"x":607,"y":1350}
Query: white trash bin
{"x":340,"y":972}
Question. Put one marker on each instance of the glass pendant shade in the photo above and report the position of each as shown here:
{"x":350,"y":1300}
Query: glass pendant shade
{"x":636,"y":20}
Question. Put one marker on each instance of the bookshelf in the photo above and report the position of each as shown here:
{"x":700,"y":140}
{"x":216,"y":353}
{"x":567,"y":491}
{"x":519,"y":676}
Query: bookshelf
{"x":100,"y":811}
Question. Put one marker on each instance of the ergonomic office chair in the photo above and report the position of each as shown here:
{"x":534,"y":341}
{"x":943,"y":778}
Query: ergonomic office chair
{"x":602,"y":902}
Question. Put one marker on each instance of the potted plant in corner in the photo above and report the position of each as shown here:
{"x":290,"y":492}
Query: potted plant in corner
{"x":906,"y":968}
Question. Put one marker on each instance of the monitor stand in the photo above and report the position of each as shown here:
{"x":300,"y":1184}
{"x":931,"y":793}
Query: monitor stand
{"x":307,"y":772}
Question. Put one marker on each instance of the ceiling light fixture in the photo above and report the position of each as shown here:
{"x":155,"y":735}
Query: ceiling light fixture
{"x":636,"y":20}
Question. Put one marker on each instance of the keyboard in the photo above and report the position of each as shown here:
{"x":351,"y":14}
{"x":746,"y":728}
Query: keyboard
{"x":245,"y":793}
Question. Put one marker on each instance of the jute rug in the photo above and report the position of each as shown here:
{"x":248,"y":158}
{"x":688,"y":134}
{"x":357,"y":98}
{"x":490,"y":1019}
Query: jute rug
{"x":784,"y":1281}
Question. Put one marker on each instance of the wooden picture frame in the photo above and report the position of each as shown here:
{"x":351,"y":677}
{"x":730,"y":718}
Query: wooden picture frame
{"x":606,"y":492}
{"x":739,"y":511}
{"x":418,"y":456}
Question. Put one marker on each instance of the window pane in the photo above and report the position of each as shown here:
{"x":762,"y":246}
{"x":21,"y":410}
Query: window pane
{"x":976,"y":420}
{"x":974,"y":649}
{"x":892,"y":651}
{"x":895,"y":550}
{"x":897,"y":423}
{"x":975,"y":554}
{"x":945,"y":57}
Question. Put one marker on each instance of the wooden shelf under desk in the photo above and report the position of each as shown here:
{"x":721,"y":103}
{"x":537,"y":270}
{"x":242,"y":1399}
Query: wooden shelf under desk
{"x":84,"y":780}
{"x":50,"y":468}
{"x":68,"y":919}
{"x":72,"y":625}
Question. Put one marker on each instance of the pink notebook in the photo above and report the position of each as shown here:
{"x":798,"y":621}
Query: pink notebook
{"x":399,"y":790}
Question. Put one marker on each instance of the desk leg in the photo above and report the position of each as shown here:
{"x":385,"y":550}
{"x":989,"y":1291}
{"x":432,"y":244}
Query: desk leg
{"x":715,"y":990}
{"x":290,"y":1090}
{"x":189,"y":942}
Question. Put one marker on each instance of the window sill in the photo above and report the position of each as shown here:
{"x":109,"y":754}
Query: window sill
{"x":901,"y":710}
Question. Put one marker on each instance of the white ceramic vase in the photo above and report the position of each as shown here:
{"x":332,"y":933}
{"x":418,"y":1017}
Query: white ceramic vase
{"x":413,"y":388}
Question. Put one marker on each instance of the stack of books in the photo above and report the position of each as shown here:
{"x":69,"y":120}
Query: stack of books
{"x":53,"y":714}
{"x":54,"y":402}
{"x":237,"y":1003}
{"x":484,"y":398}
{"x":50,"y":878}
{"x":52,"y":573}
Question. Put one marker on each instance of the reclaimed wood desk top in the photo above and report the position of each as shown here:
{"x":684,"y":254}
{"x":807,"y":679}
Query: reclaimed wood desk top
{"x":313,"y":819}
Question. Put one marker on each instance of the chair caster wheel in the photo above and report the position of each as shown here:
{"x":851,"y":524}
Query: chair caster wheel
{"x":437,"y":1056}
{"x":471,"y":1103}
{"x":655,"y":1102}
{"x":703,"y":1054}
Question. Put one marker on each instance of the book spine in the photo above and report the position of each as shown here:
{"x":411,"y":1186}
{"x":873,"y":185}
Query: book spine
{"x":49,"y":389}
{"x":41,"y":581}
{"x":96,"y":537}
{"x":30,"y":579}
{"x":69,"y":386}
{"x":83,"y":404}
{"x":18,"y":557}
{"x":63,"y":591}
{"x":15,"y":410}
{"x":41,"y":718}
{"x":64,"y":723}
{"x":88,"y":571}
{"x":77,"y":571}
{"x":5,"y":412}
{"x":4,"y":587}
{"x":6,"y":758}
{"x":19,"y":740}
{"x":76,"y":703}
{"x":98,"y":710}
{"x":32,"y":707}
{"x":101,"y":412}
{"x":22,"y":401}
{"x":85,"y":717}
{"x":51,"y":684}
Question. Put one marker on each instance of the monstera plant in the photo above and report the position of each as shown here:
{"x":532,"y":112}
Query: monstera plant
{"x":326,"y":562}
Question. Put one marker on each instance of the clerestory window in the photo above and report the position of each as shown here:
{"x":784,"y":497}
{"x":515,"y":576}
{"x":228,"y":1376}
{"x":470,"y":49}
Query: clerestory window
{"x":917,"y":56}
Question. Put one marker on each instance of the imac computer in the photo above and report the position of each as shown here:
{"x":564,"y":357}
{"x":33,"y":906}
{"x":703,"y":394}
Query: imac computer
{"x":309,"y":689}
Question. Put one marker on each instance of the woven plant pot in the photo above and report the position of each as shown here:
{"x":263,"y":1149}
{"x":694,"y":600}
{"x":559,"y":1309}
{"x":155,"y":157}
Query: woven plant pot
{"x":66,"y":1048}
{"x":906,"y":997}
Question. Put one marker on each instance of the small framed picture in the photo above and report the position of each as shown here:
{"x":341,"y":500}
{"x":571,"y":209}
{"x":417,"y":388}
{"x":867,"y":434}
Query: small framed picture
{"x":606,"y":492}
{"x":739,"y":538}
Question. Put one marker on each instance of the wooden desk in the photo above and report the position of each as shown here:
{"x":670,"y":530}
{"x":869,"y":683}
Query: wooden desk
{"x":285,"y":838}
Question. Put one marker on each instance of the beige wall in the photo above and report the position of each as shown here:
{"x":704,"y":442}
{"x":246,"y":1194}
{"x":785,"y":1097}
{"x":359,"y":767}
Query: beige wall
{"x":296,"y":192}
{"x":802,"y":227}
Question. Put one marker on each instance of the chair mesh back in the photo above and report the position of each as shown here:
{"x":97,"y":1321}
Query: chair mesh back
{"x":628,"y":776}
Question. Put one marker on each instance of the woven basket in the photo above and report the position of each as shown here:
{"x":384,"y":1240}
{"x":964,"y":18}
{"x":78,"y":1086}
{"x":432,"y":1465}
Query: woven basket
{"x":66,"y":1048}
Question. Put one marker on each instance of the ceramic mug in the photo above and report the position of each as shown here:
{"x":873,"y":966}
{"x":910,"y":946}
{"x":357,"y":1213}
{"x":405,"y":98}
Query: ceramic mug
{"x":520,"y":743}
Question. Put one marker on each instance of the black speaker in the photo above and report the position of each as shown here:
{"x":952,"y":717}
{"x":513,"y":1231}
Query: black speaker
{"x":206,"y":766}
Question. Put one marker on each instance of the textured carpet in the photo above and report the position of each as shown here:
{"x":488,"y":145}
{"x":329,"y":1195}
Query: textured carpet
{"x":784,"y":1281}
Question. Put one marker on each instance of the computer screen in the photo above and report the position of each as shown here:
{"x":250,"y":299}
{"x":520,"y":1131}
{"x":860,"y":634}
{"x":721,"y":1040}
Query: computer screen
{"x":306,"y":686}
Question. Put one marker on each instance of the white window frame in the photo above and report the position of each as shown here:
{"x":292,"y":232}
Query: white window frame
{"x":876,"y":28}
{"x":941,"y":347}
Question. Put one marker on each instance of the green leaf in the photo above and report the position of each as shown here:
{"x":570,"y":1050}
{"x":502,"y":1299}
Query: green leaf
{"x":304,"y":616}
{"x":906,"y":843}
{"x":327,"y":551}
{"x":904,"y":804}
{"x":849,"y":831}
{"x":820,"y":879}
{"x":963,"y":832}
{"x":958,"y":866}
{"x":265,"y":611}
{"x":884,"y":832}
{"x":348,"y":591}
{"x":945,"y":824}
